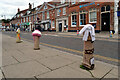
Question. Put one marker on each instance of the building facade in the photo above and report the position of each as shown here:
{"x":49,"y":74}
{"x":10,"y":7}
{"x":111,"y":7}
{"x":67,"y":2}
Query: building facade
{"x":69,"y":16}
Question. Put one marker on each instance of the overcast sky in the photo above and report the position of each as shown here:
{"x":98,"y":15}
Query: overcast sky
{"x":9,"y":7}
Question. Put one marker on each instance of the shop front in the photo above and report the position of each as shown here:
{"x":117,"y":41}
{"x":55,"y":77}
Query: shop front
{"x":46,"y":25}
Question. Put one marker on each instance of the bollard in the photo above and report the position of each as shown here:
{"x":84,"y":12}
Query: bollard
{"x":111,"y":34}
{"x":88,"y":38}
{"x":18,"y":39}
{"x":77,"y":32}
{"x":36,"y":36}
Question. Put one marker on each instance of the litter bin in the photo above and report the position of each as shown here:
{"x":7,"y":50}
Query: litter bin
{"x":36,"y":36}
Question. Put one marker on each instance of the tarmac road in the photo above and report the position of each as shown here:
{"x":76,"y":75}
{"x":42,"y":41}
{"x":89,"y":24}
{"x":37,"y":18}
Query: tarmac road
{"x":106,"y":51}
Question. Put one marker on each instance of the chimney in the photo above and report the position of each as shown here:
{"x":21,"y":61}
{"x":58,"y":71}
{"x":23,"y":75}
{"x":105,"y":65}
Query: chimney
{"x":30,"y":6}
{"x":18,"y":9}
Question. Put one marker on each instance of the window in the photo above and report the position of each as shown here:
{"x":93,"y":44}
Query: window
{"x":64,"y":11}
{"x":62,"y":1}
{"x":102,"y":9}
{"x":81,"y":0}
{"x":105,"y":8}
{"x":47,"y":14}
{"x":21,"y":20}
{"x":29,"y":18}
{"x":58,"y":12}
{"x":36,"y":17}
{"x":82,"y":17}
{"x":45,"y":6}
{"x":64,"y":22}
{"x":53,"y":24}
{"x":93,"y":16}
{"x":43,"y":15}
{"x":74,"y":20}
{"x":73,"y":2}
{"x":24,"y":19}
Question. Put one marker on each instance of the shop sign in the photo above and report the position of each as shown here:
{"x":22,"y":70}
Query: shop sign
{"x":85,"y":5}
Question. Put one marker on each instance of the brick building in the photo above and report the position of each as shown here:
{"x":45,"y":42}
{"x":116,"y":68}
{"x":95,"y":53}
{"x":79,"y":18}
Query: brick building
{"x":99,"y":14}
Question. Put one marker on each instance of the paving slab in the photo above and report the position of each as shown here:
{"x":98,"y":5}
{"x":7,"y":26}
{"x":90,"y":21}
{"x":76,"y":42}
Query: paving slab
{"x":71,"y":57}
{"x":8,"y":60}
{"x":64,"y":72}
{"x":24,"y":70}
{"x":21,"y":57}
{"x":76,"y":66}
{"x":115,"y":72}
{"x":101,"y":69}
{"x":49,"y":52}
{"x":55,"y":62}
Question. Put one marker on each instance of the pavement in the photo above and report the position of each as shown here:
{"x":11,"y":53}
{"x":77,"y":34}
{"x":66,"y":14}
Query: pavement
{"x":19,"y":60}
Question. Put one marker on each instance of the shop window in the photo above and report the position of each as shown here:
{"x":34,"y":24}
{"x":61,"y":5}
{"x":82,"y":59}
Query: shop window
{"x":74,"y":20}
{"x":92,"y":16}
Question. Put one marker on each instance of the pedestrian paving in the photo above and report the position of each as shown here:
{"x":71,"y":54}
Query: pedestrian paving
{"x":20,"y":60}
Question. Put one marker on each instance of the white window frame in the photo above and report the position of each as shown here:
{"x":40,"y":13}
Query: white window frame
{"x":73,"y":2}
{"x":71,"y":20}
{"x":64,"y":11}
{"x":29,"y":18}
{"x":48,"y":15}
{"x":93,"y":10}
{"x":24,"y":19}
{"x":58,"y":13}
{"x":45,"y":7}
{"x":83,"y":12}
{"x":53,"y":24}
{"x":62,"y":1}
{"x":21,"y":20}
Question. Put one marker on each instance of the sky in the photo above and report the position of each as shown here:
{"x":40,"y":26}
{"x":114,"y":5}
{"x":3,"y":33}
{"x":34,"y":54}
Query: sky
{"x":8,"y":8}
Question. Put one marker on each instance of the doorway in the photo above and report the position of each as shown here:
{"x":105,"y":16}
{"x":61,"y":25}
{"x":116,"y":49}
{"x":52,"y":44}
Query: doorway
{"x":105,"y":21}
{"x":60,"y":27}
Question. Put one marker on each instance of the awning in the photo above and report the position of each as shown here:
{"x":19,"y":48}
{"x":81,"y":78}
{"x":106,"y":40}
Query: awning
{"x":27,"y":23}
{"x":45,"y":21}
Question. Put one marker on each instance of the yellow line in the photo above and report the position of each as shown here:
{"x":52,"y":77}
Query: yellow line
{"x":81,"y":52}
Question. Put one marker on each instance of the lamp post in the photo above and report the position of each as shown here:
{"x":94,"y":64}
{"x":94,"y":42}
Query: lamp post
{"x":33,"y":15}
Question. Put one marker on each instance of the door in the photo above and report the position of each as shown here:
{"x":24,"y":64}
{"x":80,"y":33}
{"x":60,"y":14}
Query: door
{"x":105,"y":18}
{"x":60,"y":27}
